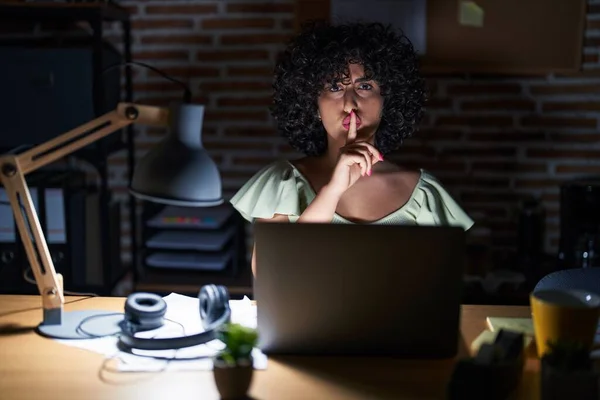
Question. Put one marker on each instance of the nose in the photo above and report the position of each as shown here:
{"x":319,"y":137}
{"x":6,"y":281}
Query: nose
{"x":350,"y":102}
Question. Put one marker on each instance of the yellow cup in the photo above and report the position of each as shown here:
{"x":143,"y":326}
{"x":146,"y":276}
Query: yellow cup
{"x":564,"y":314}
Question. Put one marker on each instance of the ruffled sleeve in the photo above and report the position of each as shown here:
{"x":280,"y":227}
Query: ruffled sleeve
{"x":275,"y":189}
{"x":437,"y":207}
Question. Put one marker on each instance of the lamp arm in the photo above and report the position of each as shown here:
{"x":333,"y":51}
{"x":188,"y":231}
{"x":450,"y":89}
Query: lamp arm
{"x":13,"y":169}
{"x":90,"y":132}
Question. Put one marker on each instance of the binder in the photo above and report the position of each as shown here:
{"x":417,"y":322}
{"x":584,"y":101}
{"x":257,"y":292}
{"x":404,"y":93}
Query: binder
{"x":69,"y":212}
{"x":11,"y":281}
{"x":52,"y":203}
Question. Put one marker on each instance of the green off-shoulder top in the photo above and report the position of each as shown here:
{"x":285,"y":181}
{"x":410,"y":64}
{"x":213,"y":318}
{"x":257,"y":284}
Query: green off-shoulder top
{"x":280,"y":188}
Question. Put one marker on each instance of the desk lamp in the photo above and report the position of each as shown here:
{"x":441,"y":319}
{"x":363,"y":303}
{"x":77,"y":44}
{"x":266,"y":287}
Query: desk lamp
{"x":177,"y":171}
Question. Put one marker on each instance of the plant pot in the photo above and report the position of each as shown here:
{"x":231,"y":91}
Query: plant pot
{"x":578,"y":384}
{"x":233,"y":382}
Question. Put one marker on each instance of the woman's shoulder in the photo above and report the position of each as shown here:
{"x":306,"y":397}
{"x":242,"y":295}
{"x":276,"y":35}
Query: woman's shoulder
{"x":274,"y":189}
{"x":269,"y":177}
{"x":427,"y":177}
{"x":277,"y":168}
{"x":436,"y":204}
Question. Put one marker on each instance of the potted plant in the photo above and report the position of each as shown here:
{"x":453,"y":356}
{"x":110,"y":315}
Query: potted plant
{"x":567,"y":372}
{"x":233,"y":365}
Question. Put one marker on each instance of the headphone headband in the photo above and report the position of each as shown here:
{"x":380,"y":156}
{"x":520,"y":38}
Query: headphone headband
{"x":144,"y":311}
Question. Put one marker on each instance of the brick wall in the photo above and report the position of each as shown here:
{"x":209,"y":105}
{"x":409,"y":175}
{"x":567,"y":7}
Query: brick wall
{"x":491,"y":139}
{"x":494,"y":140}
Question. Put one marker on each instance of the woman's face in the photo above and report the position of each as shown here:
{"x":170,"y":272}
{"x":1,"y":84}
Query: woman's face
{"x":358,"y":94}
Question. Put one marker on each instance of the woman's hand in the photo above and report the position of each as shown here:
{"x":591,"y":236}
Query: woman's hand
{"x":355,"y":160}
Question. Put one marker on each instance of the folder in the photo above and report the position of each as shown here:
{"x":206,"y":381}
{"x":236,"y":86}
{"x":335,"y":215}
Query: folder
{"x":11,"y":280}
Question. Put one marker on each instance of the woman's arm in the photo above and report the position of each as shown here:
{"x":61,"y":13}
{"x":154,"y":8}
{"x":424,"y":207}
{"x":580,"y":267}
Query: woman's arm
{"x":322,"y":208}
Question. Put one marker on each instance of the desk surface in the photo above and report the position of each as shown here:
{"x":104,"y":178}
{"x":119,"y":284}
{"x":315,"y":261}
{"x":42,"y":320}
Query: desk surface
{"x":33,"y":367}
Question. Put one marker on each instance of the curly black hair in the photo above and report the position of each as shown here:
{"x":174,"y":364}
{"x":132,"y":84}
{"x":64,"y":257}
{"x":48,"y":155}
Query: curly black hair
{"x":320,"y":54}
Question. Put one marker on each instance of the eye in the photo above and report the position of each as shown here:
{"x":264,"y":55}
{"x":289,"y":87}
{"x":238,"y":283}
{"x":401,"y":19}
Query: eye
{"x":365,"y":86}
{"x":335,"y":88}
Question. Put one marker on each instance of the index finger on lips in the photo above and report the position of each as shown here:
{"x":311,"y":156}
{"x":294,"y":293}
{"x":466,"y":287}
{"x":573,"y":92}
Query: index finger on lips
{"x":352,"y":129}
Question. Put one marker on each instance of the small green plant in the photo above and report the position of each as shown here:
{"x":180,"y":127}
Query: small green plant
{"x":568,"y":356}
{"x":239,"y":342}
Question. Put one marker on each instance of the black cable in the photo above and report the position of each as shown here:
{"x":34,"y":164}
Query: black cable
{"x":80,"y":329}
{"x":32,"y":281}
{"x":187,"y":95}
{"x":104,"y":366}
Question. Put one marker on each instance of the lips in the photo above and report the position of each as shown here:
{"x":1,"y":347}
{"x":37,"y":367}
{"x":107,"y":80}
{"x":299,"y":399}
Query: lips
{"x":346,"y":122}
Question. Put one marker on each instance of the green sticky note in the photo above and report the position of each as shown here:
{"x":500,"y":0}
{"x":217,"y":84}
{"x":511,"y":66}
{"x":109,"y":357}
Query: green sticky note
{"x":484,"y":337}
{"x":470,"y":14}
{"x":521,"y":325}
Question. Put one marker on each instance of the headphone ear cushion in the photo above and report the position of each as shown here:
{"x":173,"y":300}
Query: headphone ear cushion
{"x":214,"y":301}
{"x":145,"y":311}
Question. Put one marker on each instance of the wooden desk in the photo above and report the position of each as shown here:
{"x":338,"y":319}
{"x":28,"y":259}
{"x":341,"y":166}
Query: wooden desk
{"x":33,"y":367}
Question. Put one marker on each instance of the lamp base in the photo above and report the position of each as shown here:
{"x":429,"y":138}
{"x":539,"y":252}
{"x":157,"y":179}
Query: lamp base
{"x":84,"y":324}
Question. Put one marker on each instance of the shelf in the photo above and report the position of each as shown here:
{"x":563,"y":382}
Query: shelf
{"x":93,"y":14}
{"x":213,"y":234}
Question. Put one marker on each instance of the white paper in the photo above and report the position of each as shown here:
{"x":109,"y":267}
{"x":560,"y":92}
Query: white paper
{"x":185,"y":311}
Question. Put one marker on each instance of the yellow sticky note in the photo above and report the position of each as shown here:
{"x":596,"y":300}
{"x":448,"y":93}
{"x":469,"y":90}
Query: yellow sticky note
{"x":470,"y":14}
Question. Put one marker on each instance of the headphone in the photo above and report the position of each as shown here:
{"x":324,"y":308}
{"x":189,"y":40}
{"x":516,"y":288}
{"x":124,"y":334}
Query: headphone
{"x":146,"y":311}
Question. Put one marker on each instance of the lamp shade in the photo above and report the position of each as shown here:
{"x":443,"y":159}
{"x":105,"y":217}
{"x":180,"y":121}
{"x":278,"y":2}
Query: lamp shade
{"x":178,"y":170}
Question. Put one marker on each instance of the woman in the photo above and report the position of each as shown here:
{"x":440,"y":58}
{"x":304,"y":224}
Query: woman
{"x":346,"y":96}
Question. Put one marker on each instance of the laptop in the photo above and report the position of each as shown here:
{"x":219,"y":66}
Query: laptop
{"x":352,"y":289}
